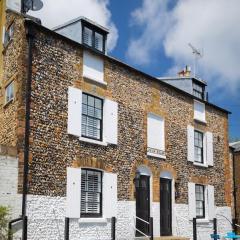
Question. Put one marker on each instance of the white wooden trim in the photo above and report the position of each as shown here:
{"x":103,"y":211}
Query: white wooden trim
{"x":190,"y":143}
{"x":73,"y":198}
{"x":191,"y":200}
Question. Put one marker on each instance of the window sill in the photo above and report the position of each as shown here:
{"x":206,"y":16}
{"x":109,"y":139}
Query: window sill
{"x":94,"y":80}
{"x":200,"y":121}
{"x":156,"y":155}
{"x":92,"y":220}
{"x":88,"y":140}
{"x":8,"y":103}
{"x":6,"y":45}
{"x":202,"y":220}
{"x":200,"y":164}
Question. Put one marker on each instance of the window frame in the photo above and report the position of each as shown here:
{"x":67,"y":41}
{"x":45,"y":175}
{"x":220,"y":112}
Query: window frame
{"x":94,"y":30}
{"x":202,"y":149}
{"x":203,"y":201}
{"x":6,"y":92}
{"x":8,"y":34}
{"x":93,"y":215}
{"x":101,"y":120}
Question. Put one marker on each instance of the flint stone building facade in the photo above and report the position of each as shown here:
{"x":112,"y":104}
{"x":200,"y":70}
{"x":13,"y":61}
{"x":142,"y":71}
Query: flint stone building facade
{"x":129,"y":156}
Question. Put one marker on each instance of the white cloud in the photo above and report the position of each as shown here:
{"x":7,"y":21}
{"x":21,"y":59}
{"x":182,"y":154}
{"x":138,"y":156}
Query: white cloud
{"x":58,"y":12}
{"x":152,"y":17}
{"x":209,"y":24}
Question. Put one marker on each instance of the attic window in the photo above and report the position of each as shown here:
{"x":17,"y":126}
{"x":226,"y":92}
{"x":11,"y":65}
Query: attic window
{"x":198,"y":90}
{"x":93,"y":38}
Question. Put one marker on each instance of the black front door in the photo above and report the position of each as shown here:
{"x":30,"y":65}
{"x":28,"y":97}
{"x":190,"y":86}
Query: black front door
{"x":165,"y":207}
{"x":142,"y":204}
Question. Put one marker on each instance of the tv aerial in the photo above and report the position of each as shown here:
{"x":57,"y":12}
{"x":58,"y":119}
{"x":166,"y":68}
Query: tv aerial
{"x":33,"y":5}
{"x":197,"y":55}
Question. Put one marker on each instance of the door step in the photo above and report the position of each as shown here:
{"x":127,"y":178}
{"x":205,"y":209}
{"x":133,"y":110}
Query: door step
{"x":163,"y":238}
{"x":171,"y":238}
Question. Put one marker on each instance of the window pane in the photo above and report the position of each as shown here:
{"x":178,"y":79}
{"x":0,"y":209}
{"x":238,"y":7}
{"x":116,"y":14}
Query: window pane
{"x":87,"y":36}
{"x":98,"y":41}
{"x":91,"y":111}
{"x":98,"y":113}
{"x":9,"y":92}
{"x":90,"y":101}
{"x":84,"y":99}
{"x":98,"y":103}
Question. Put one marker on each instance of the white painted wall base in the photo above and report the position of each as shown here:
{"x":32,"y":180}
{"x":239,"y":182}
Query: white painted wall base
{"x":8,"y":188}
{"x":8,"y":185}
{"x":46,"y":221}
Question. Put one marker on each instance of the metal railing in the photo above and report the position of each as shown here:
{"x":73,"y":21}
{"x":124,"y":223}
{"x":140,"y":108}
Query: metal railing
{"x":150,"y":224}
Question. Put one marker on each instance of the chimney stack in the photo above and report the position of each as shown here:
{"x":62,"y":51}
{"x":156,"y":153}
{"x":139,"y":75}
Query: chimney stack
{"x":186,"y":72}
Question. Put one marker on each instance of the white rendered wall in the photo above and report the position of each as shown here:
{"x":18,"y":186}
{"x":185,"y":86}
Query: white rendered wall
{"x":8,"y":185}
{"x":46,"y":221}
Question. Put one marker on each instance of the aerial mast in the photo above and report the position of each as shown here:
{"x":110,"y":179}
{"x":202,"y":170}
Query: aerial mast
{"x":197,"y":55}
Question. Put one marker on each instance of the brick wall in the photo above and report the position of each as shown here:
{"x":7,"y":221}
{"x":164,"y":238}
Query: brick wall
{"x":14,"y":64}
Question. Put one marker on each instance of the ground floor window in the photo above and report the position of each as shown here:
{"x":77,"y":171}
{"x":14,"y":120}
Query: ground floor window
{"x":200,"y":201}
{"x":91,"y":193}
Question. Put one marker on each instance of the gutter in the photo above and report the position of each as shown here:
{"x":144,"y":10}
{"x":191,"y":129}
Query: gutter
{"x":30,"y":39}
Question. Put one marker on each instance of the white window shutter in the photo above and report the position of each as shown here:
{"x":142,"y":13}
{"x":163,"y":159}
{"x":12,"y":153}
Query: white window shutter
{"x":109,"y":195}
{"x":190,"y":143}
{"x":211,"y":202}
{"x":3,"y":35}
{"x":93,"y":66}
{"x":199,"y":111}
{"x":191,"y":200}
{"x":110,"y":121}
{"x":74,"y":111}
{"x":155,"y":132}
{"x":73,"y":202}
{"x":14,"y":5}
{"x":209,"y":146}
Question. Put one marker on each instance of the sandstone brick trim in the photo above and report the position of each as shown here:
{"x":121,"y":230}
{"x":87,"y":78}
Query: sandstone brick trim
{"x":203,"y":180}
{"x":8,"y":151}
{"x":91,"y":163}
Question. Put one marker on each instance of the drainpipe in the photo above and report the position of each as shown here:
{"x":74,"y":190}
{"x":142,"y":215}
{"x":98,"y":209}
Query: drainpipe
{"x":30,"y":38}
{"x":234,"y":190}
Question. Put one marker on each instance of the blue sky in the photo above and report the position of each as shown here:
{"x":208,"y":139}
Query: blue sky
{"x":153,"y":36}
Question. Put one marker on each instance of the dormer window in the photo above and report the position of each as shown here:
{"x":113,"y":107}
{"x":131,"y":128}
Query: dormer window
{"x":198,"y":91}
{"x":93,"y":37}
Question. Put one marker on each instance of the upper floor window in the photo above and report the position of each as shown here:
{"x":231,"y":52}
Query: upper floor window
{"x":198,"y":147}
{"x":92,"y":119}
{"x":93,"y":39}
{"x":8,"y":35}
{"x":91,"y":193}
{"x":92,"y":114}
{"x":198,"y":90}
{"x":200,"y":201}
{"x":9,"y":92}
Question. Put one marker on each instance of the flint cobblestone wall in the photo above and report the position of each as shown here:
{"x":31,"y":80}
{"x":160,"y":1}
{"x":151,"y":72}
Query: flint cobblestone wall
{"x":53,"y":149}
